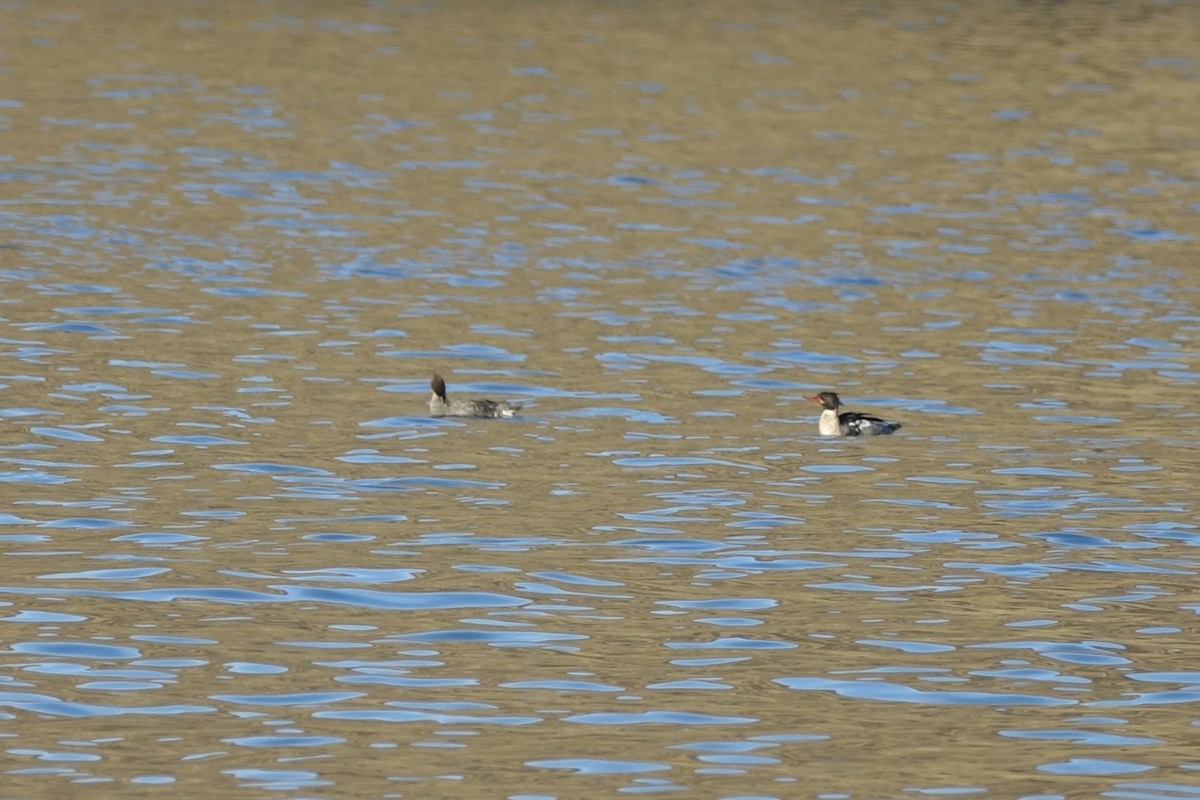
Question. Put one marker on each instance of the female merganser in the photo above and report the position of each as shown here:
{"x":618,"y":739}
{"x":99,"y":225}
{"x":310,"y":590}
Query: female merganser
{"x":440,"y":406}
{"x":848,"y":423}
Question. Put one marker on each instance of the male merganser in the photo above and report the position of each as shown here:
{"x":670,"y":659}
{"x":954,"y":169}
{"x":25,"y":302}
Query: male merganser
{"x":848,"y":423}
{"x":440,"y":406}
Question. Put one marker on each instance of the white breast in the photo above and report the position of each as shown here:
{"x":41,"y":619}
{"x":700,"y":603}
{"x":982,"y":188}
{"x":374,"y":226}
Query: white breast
{"x":828,"y":425}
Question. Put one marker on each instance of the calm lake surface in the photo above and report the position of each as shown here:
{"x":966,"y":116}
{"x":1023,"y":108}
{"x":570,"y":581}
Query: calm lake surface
{"x":241,"y":560}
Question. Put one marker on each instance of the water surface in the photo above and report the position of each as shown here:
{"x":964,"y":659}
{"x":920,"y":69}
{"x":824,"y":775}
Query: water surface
{"x":240,"y":557}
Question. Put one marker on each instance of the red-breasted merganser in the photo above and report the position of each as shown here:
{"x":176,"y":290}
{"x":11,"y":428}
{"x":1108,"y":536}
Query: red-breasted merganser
{"x":848,"y":423}
{"x":441,"y":406}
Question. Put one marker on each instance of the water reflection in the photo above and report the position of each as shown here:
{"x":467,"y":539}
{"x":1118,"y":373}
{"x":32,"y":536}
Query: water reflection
{"x":229,"y":271}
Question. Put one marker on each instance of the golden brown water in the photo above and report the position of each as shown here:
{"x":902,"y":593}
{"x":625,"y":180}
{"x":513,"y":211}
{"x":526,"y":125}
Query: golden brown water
{"x":240,"y":559}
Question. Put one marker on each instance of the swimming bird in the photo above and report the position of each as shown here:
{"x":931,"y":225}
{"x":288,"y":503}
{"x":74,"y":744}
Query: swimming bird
{"x":441,"y":406}
{"x":848,"y":423}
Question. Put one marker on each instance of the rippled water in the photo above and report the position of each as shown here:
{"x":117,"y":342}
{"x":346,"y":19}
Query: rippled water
{"x":240,"y":557}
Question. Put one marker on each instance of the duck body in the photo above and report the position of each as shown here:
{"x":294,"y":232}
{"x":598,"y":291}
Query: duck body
{"x":834,"y":422}
{"x":442,"y":406}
